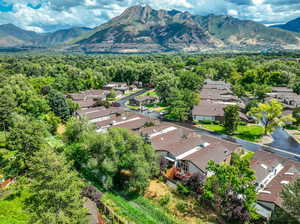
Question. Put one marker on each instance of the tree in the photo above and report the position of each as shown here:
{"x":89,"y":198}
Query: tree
{"x":270,"y":115}
{"x":260,"y":91}
{"x":54,"y":190}
{"x":76,"y":129}
{"x":180,"y":102}
{"x":120,"y":159}
{"x":296,"y":86}
{"x":190,"y":80}
{"x":7,"y":107}
{"x":26,"y":136}
{"x":291,"y":198}
{"x":296,"y":115}
{"x":59,"y":105}
{"x":231,"y":118}
{"x":163,"y":85}
{"x":231,"y":190}
{"x":112,"y":94}
{"x":53,"y":122}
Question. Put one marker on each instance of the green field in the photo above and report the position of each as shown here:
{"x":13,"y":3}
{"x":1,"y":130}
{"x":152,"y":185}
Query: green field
{"x":139,"y":210}
{"x":11,"y":209}
{"x":251,"y":133}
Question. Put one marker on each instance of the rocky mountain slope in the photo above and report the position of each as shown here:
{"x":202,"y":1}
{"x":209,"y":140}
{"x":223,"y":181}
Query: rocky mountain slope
{"x":293,"y":25}
{"x":13,"y":36}
{"x":141,"y":29}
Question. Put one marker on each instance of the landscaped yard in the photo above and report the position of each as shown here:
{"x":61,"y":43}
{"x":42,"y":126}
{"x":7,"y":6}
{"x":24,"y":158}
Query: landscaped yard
{"x":11,"y":208}
{"x":150,"y":93}
{"x":159,"y":107}
{"x":251,"y":133}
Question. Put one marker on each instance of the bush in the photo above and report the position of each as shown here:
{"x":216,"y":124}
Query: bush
{"x":183,"y":189}
{"x":165,"y":200}
{"x":182,"y":206}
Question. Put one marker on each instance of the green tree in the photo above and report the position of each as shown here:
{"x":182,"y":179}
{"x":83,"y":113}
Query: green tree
{"x":270,"y":115}
{"x":190,"y":80}
{"x":76,"y":129}
{"x":59,"y":105}
{"x":120,"y":159}
{"x":112,"y":94}
{"x":230,"y":189}
{"x":25,"y":137}
{"x":296,"y":86}
{"x":54,"y":190}
{"x":53,"y":122}
{"x":291,"y":198}
{"x":231,"y":118}
{"x":7,"y":106}
{"x":163,"y":85}
{"x":296,"y":115}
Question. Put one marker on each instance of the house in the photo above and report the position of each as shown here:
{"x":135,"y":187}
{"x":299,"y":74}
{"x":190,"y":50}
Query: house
{"x":143,"y":100}
{"x":87,"y":99}
{"x":187,"y":151}
{"x":97,"y":114}
{"x":272,"y":173}
{"x":117,"y":86}
{"x":281,"y":90}
{"x":208,"y":110}
{"x":286,"y":96}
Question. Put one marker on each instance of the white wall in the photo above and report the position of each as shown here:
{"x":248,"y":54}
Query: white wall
{"x":203,"y":118}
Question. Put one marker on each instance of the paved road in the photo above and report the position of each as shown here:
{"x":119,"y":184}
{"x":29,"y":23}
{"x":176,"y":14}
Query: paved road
{"x":283,"y":144}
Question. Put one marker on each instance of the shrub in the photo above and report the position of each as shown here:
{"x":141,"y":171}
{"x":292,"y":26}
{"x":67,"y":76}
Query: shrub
{"x":182,"y":206}
{"x":165,"y":200}
{"x":183,"y":189}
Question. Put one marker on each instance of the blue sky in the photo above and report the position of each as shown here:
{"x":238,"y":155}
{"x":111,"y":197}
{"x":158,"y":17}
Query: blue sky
{"x":50,"y":15}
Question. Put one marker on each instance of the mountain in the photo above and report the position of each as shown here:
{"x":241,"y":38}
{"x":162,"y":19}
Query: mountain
{"x":13,"y":36}
{"x":142,"y":29}
{"x":293,"y":25}
{"x":62,"y":36}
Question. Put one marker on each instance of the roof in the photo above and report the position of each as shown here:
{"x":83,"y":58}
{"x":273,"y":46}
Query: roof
{"x":85,"y":104}
{"x":209,"y":108}
{"x":289,"y":173}
{"x":87,"y":94}
{"x":99,"y":112}
{"x":281,"y":89}
{"x":263,"y":162}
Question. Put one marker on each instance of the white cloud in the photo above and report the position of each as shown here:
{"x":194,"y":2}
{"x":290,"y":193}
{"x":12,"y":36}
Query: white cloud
{"x":232,"y":12}
{"x":56,"y":14}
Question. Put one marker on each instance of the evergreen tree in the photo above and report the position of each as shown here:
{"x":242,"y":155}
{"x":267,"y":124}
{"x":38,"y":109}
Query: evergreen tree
{"x":231,"y":118}
{"x":59,"y":105}
{"x":54,"y":190}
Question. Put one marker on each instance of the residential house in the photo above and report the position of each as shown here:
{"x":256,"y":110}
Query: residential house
{"x":187,"y":151}
{"x":117,"y":86}
{"x":208,"y":110}
{"x":143,"y":100}
{"x":87,"y":99}
{"x":272,"y":173}
{"x":97,"y":114}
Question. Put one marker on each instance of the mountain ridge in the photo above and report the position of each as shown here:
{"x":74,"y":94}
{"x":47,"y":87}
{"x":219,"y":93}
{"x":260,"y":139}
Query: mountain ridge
{"x":293,"y":25}
{"x":141,"y":29}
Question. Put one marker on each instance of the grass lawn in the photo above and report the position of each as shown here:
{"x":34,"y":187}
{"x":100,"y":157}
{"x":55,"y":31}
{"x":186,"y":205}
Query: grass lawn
{"x":150,"y":93}
{"x":159,"y":107}
{"x":251,"y":133}
{"x":11,"y":209}
{"x":138,"y":210}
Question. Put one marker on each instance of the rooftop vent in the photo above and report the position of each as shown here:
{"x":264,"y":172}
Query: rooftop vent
{"x":289,"y":173}
{"x":284,"y":182}
{"x":264,"y":166}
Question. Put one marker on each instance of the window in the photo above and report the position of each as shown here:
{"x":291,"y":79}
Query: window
{"x":184,"y":165}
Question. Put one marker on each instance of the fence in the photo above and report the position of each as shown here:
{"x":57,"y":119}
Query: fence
{"x":110,"y":214}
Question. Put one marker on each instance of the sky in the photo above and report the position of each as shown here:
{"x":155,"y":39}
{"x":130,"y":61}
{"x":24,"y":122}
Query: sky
{"x":51,"y":15}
